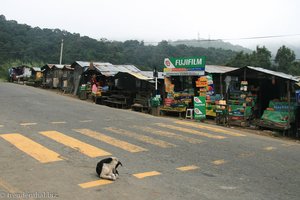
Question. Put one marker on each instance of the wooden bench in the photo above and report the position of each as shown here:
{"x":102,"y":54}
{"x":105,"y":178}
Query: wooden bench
{"x":117,"y":101}
{"x":178,"y":111}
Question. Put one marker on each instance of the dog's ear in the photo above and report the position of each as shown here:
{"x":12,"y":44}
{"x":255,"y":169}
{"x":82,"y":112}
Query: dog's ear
{"x":119,"y":163}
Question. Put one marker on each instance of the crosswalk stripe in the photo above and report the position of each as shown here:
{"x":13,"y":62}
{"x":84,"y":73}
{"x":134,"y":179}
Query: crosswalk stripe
{"x":146,"y":174}
{"x":169,"y":134}
{"x":7,"y":187}
{"x":33,"y":149}
{"x":269,"y":148}
{"x":187,"y":168}
{"x":209,"y":128}
{"x":28,"y":124}
{"x":95,"y":183}
{"x":218,"y":162}
{"x":191,"y":131}
{"x":88,"y":120}
{"x":82,"y":147}
{"x":110,"y":140}
{"x":142,"y":138}
{"x":58,"y":122}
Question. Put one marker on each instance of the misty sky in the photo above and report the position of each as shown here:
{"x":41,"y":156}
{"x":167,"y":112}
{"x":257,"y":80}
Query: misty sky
{"x":156,"y":20}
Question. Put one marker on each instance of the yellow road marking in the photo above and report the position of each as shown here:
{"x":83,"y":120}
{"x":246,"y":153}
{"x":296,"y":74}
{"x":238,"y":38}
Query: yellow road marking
{"x":142,"y":138}
{"x":82,"y":147}
{"x":188,"y":168}
{"x":89,"y":120}
{"x":95,"y":183}
{"x":1,"y":126}
{"x":33,"y":149}
{"x":210,"y":128}
{"x":269,"y":148}
{"x":110,"y":140}
{"x":169,"y":134}
{"x":191,"y":131}
{"x":246,"y":155}
{"x":28,"y":124}
{"x":288,"y":144}
{"x":218,"y":162}
{"x":7,"y":187}
{"x":146,"y":174}
{"x":58,"y":122}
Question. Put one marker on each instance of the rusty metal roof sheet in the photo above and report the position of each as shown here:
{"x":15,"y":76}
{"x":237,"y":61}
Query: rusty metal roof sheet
{"x":217,"y":69}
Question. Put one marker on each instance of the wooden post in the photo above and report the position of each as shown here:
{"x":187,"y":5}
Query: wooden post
{"x":221,"y":85}
{"x":289,"y":101}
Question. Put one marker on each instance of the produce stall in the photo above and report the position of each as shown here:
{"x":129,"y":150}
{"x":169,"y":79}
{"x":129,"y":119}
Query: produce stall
{"x":180,"y":83}
{"x":279,"y":115}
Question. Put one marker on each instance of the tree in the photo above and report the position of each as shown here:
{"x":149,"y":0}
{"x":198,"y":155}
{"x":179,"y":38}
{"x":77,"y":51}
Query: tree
{"x":284,"y":59}
{"x":295,"y":69}
{"x":261,"y":57}
{"x":240,"y":60}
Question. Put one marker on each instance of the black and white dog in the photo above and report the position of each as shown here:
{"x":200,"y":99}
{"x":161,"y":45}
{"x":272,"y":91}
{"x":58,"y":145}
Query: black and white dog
{"x":107,"y":168}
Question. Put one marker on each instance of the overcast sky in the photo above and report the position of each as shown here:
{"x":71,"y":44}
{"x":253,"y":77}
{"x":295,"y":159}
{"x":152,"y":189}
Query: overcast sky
{"x":156,"y":20}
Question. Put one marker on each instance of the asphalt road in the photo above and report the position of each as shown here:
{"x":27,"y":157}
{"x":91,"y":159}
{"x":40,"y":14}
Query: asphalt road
{"x":50,"y":144}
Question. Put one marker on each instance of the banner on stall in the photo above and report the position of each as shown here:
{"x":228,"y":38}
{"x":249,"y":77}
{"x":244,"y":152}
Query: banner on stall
{"x":199,"y":107}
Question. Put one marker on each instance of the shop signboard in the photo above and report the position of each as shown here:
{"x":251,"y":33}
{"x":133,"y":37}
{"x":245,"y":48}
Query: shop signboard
{"x":190,"y":66}
{"x":199,"y":107}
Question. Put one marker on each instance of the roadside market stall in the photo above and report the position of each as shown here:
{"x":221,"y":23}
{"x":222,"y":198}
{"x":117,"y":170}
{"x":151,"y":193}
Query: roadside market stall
{"x":183,"y":84}
{"x":180,"y":79}
{"x":261,"y":97}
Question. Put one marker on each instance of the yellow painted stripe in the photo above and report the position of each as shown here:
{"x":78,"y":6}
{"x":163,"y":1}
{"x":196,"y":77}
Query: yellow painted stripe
{"x":168,"y":134}
{"x":1,"y":126}
{"x":88,"y":120}
{"x":218,"y":162}
{"x":215,"y":129}
{"x":58,"y":122}
{"x":146,"y":174}
{"x":7,"y":187}
{"x":95,"y":183}
{"x":142,"y":138}
{"x":188,"y":168}
{"x":33,"y":149}
{"x":269,"y":148}
{"x":82,"y":147}
{"x":191,"y":131}
{"x":110,"y":140}
{"x":28,"y":124}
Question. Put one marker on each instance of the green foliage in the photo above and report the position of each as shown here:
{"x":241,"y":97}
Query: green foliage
{"x":26,"y":44}
{"x":295,"y":69}
{"x":284,"y":58}
{"x":261,"y":58}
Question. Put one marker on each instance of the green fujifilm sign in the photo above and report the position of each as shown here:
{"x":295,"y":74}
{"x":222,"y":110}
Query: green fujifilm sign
{"x":191,"y":62}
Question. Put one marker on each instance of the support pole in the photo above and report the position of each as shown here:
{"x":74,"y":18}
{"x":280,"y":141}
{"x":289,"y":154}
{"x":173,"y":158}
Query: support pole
{"x":61,"y":50}
{"x":289,"y":101}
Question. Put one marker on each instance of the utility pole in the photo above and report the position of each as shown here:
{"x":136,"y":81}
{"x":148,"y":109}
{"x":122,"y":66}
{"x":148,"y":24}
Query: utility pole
{"x":61,"y":50}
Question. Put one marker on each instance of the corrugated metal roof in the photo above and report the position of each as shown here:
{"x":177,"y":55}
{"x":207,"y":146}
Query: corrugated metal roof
{"x":279,"y":74}
{"x":87,"y":64}
{"x":108,"y":69}
{"x":137,"y":75}
{"x":59,"y":66}
{"x":217,"y":69}
{"x":37,"y":69}
{"x":150,"y":74}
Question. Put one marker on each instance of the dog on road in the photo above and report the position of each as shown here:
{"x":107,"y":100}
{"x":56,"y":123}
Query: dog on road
{"x":107,"y":168}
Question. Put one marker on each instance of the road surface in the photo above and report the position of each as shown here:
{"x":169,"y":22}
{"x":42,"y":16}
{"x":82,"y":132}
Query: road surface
{"x":50,"y":145}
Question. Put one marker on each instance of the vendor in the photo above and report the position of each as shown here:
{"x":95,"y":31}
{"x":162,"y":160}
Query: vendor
{"x":94,"y":83}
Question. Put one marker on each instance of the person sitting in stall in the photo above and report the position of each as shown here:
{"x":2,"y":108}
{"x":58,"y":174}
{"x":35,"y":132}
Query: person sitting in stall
{"x":94,"y":84}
